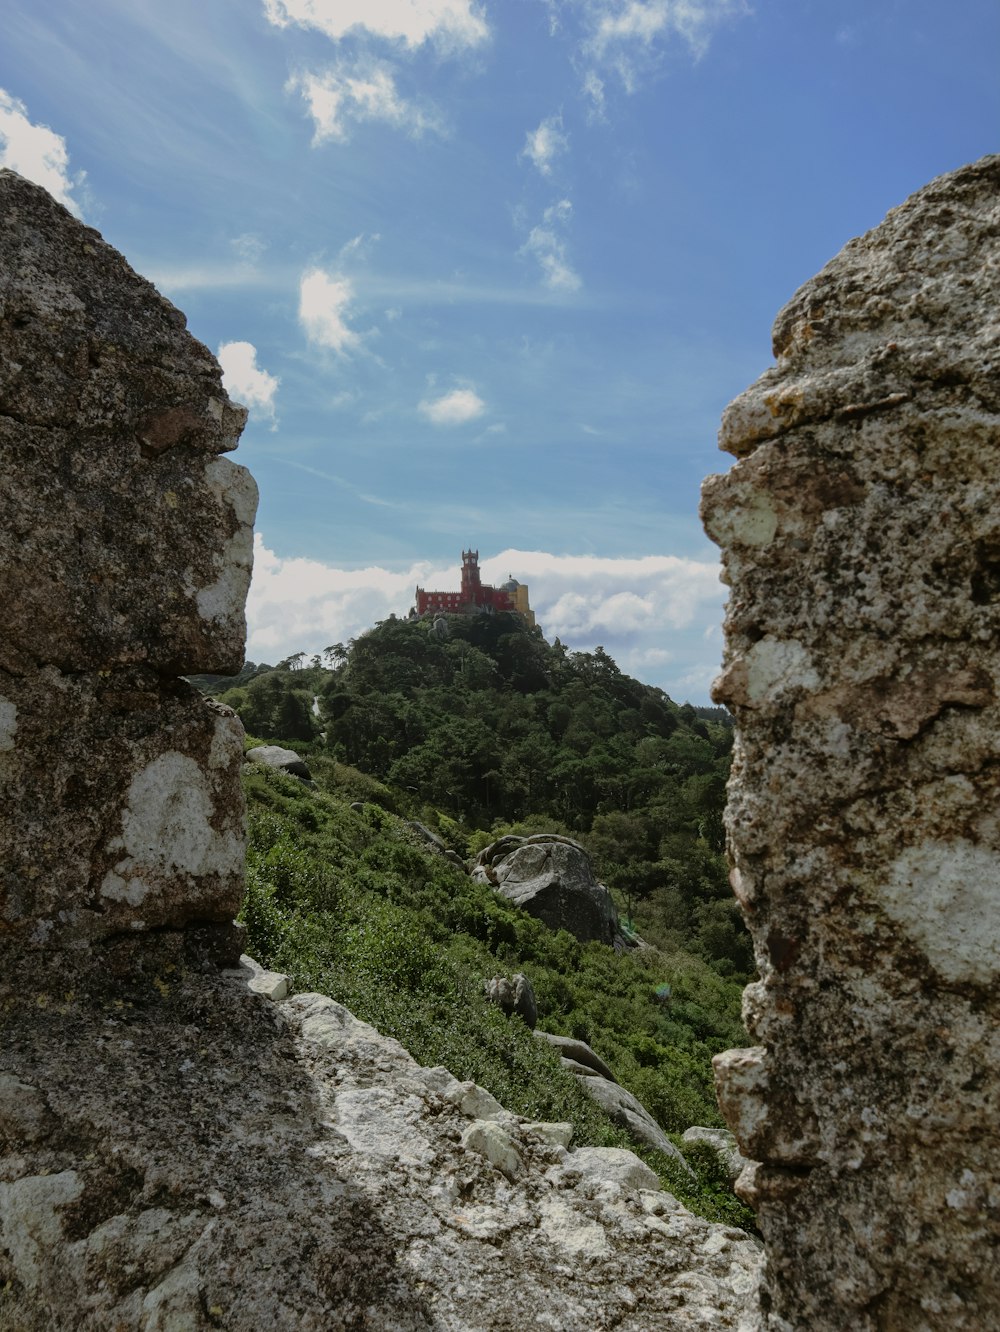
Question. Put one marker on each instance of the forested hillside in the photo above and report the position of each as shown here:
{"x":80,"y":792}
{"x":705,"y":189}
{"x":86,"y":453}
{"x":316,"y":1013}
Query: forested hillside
{"x":485,"y":726}
{"x":475,"y":729}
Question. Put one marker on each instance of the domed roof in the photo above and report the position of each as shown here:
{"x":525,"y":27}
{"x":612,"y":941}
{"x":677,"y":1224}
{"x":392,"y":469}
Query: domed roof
{"x":511,"y":585}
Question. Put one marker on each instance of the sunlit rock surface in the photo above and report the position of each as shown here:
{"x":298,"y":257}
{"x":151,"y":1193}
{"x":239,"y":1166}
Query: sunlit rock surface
{"x":860,"y":533}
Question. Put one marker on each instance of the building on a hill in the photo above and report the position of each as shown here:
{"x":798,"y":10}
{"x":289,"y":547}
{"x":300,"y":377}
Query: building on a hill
{"x":476,"y":596}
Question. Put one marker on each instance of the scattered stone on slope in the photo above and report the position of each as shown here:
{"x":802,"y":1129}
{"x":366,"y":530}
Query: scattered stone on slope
{"x":285,"y":760}
{"x":514,"y":996}
{"x":860,"y":532}
{"x":551,"y":877}
{"x":723,"y":1143}
{"x":437,"y":843}
{"x":624,"y":1109}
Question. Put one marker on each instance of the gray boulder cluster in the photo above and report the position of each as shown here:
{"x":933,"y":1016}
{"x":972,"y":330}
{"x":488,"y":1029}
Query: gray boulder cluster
{"x":860,"y":532}
{"x":514,"y":996}
{"x":598,"y":1081}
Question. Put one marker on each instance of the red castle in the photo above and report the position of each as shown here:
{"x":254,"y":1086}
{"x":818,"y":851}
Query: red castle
{"x":476,"y":595}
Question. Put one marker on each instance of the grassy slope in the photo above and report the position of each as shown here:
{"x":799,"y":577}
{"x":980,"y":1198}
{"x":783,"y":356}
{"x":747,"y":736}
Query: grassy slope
{"x":351,"y":905}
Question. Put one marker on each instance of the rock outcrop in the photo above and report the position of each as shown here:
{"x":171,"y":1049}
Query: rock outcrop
{"x":284,"y":760}
{"x":124,"y":559}
{"x":600,"y":1084}
{"x":861,"y":541}
{"x":514,"y":996}
{"x":189,"y":1155}
{"x":550,"y":876}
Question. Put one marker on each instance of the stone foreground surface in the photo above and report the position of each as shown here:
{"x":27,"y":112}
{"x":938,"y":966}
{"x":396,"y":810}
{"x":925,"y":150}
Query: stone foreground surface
{"x":183,"y":1154}
{"x":860,"y":532}
{"x":125,"y":554}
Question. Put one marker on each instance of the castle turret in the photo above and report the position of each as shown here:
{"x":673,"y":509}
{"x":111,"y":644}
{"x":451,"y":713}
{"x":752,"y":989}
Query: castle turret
{"x":471,"y":581}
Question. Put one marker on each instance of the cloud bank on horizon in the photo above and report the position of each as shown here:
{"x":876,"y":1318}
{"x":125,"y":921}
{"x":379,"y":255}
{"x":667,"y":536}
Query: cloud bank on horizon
{"x":658,"y":615}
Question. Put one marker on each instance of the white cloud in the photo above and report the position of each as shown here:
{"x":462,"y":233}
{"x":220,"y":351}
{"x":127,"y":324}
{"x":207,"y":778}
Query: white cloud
{"x":454,"y":408}
{"x":452,"y":24}
{"x":249,"y":248}
{"x":323,"y":301}
{"x":650,"y":613}
{"x":544,"y":144}
{"x":626,"y":37}
{"x":245,"y":381}
{"x":546,"y":246}
{"x":593,"y":87}
{"x":342,"y":95}
{"x":35,"y":152}
{"x":643,"y":21}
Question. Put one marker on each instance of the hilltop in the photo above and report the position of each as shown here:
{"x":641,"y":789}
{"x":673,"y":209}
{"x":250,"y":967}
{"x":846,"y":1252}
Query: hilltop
{"x":476,"y":726}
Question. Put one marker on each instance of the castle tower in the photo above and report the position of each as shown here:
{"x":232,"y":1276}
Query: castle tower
{"x":471,"y":581}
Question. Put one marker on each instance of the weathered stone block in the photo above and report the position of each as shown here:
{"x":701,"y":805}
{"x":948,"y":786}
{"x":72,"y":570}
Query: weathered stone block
{"x":126,"y":539}
{"x":125,"y":558}
{"x":860,"y":531}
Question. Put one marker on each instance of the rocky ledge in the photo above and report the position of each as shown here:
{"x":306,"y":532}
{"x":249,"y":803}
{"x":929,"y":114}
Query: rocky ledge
{"x":182,"y":1152}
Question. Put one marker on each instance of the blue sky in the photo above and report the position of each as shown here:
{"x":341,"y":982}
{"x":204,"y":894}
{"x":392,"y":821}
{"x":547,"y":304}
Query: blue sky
{"x":487,"y":273}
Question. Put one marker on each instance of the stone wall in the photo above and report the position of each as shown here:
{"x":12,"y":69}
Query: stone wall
{"x":125,"y":553}
{"x":860,"y":531}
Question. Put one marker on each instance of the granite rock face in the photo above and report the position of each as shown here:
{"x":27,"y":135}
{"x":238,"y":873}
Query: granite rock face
{"x":860,"y":532}
{"x":208,"y":1159}
{"x":551,"y":877}
{"x":124,"y":560}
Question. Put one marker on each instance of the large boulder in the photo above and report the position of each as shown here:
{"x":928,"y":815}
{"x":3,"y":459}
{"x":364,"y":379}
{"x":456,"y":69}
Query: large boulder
{"x":860,"y":531}
{"x":284,"y":760}
{"x":514,"y":996}
{"x":551,"y":877}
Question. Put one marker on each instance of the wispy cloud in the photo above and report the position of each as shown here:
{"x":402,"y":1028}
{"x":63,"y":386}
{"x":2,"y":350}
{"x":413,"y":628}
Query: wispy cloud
{"x":245,"y":381}
{"x":617,"y":25}
{"x":454,"y":408}
{"x":36,"y":152}
{"x":343,"y":95}
{"x":451,"y":24}
{"x":543,"y":145}
{"x":548,"y":247}
{"x":215,"y":276}
{"x":593,"y":89}
{"x":324,"y":300}
{"x":249,"y":248}
{"x":627,"y":37}
{"x":651,"y":613}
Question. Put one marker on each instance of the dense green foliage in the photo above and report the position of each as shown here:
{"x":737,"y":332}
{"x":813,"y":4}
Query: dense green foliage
{"x":491,"y":726}
{"x":349,"y":904}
